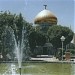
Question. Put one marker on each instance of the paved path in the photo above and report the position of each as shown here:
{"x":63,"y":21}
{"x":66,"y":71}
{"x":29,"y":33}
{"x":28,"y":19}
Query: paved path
{"x":45,"y":59}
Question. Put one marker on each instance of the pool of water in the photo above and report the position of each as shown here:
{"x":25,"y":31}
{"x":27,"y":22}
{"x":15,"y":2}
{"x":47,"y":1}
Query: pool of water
{"x":39,"y":69}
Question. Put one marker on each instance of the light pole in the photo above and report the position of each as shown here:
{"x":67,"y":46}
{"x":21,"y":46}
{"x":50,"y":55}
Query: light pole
{"x":62,"y":40}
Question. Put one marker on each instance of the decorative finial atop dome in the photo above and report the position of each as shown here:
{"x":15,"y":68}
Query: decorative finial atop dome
{"x":45,"y":6}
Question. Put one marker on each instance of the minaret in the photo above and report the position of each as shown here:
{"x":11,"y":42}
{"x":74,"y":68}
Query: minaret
{"x":73,"y":40}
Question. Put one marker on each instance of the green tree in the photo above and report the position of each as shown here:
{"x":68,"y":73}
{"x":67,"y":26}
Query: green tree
{"x":55,"y":33}
{"x":71,"y":46}
{"x":6,"y":19}
{"x":13,"y":22}
{"x":36,"y":39}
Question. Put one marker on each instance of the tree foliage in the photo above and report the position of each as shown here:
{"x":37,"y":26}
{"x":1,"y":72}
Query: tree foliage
{"x":36,"y":39}
{"x":55,"y":33}
{"x":13,"y":22}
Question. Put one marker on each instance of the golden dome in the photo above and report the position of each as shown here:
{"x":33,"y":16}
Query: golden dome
{"x":45,"y":16}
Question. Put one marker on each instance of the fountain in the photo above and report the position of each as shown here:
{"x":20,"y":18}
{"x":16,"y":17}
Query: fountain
{"x":19,"y":46}
{"x":13,"y":68}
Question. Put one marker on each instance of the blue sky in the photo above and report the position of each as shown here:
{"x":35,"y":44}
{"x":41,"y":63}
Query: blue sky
{"x":63,"y":9}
